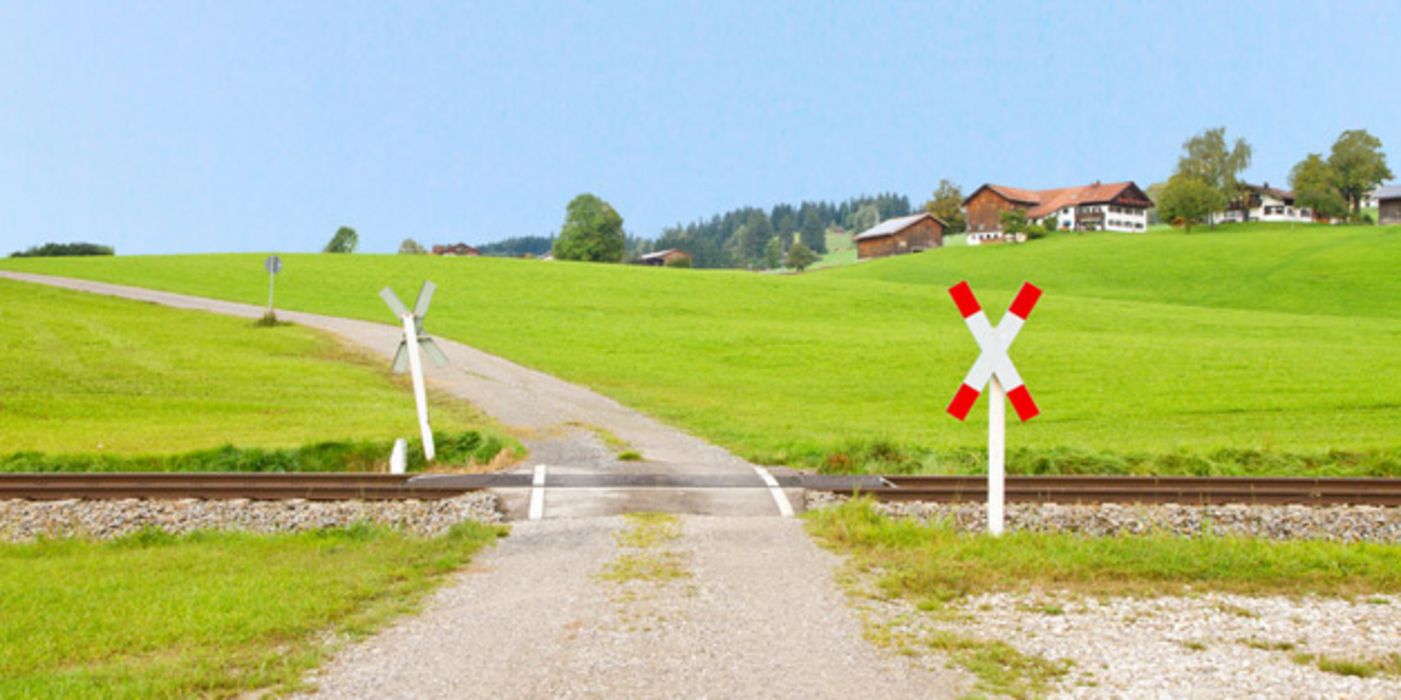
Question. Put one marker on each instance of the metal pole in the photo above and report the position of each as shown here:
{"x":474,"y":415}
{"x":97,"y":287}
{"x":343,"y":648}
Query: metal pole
{"x":272,"y":280}
{"x":997,"y":421}
{"x":420,"y":395}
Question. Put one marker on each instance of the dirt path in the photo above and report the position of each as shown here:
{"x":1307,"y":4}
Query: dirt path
{"x":756,"y":614}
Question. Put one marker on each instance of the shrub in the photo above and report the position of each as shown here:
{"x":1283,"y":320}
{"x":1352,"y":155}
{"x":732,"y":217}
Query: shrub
{"x":63,"y":250}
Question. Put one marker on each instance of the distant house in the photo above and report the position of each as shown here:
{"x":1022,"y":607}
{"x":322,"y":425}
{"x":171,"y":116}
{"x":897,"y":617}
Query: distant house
{"x":905,"y":234}
{"x":456,"y":249}
{"x":1117,"y":206}
{"x":1265,"y":203}
{"x":661,"y":258}
{"x":1389,"y":204}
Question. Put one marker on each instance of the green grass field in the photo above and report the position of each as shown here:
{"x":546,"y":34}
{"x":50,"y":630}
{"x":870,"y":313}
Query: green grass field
{"x":210,"y":614}
{"x":1240,"y":344}
{"x":84,"y":374}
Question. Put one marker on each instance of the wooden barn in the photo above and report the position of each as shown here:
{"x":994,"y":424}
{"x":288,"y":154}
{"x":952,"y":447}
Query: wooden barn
{"x":663,"y":258}
{"x":456,"y":249}
{"x":1388,"y":204}
{"x":905,"y":234}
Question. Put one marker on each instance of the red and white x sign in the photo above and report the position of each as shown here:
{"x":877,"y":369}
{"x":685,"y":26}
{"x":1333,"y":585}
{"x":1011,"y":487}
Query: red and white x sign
{"x":994,"y":343}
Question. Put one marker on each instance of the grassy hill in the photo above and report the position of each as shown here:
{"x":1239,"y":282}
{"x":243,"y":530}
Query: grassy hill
{"x":84,"y":374}
{"x":1238,"y":349}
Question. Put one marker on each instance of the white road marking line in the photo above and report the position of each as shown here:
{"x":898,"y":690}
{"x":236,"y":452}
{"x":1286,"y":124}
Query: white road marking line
{"x":785,"y":508}
{"x":537,"y":493}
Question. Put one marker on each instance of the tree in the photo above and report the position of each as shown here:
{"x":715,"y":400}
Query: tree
{"x":1013,"y":223}
{"x":62,"y":250}
{"x":800,"y":257}
{"x":1206,"y":158}
{"x":1358,"y":165}
{"x":1315,"y":186}
{"x":1155,"y":193}
{"x":865,"y":217}
{"x":947,"y":206}
{"x":812,"y":231}
{"x":411,"y":247}
{"x":773,"y":253}
{"x":593,"y":232}
{"x":1188,"y":200}
{"x":345,"y":241}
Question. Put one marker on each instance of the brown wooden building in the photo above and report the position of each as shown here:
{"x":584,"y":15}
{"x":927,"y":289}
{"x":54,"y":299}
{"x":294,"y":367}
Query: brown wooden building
{"x":456,"y":249}
{"x":905,"y":234}
{"x":1117,"y":206}
{"x":663,"y":258}
{"x":1389,"y":205}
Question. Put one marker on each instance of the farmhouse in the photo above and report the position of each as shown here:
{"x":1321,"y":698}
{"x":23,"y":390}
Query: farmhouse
{"x":456,"y":249}
{"x":1265,"y":203}
{"x":905,"y":234}
{"x":1118,"y":206}
{"x":663,"y":258}
{"x":1389,"y":204}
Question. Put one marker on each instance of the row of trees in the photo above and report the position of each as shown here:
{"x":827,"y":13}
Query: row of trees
{"x":1206,"y":180}
{"x":755,"y":238}
{"x":64,"y":250}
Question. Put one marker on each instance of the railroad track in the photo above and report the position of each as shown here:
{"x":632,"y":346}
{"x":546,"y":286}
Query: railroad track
{"x":253,"y":486}
{"x":1019,"y":489}
{"x":1189,"y":490}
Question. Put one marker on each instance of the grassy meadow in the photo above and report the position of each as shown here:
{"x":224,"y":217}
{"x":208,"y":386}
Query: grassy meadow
{"x":208,"y":614}
{"x":1247,"y":348}
{"x":82,"y":374}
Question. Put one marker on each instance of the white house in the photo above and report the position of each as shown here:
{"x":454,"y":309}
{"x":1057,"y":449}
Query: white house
{"x":1265,"y":203}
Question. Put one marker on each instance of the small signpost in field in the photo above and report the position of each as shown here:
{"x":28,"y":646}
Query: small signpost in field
{"x":408,"y":354}
{"x":994,"y":366}
{"x":274,"y":266}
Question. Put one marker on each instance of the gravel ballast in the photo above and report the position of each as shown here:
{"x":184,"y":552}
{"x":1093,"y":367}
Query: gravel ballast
{"x":22,"y":520}
{"x":1276,"y":522}
{"x":1207,"y":646}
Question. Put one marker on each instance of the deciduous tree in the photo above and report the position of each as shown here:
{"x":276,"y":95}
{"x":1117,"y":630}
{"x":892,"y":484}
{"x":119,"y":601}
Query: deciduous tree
{"x":1207,"y":158}
{"x":593,"y":231}
{"x":1189,"y":200}
{"x":346,"y":240}
{"x":947,"y":205}
{"x":1358,"y":165}
{"x":411,"y":247}
{"x":1315,"y":187}
{"x":800,"y":257}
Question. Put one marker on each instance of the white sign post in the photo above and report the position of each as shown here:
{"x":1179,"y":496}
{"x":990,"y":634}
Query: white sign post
{"x":408,"y":355}
{"x":273,"y":265}
{"x":994,"y":369}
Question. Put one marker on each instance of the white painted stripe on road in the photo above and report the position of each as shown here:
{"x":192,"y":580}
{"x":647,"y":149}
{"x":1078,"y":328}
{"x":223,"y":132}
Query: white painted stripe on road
{"x":537,"y":493}
{"x":785,"y":508}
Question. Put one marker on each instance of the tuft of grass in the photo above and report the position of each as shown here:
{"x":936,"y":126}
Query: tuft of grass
{"x":1268,"y":646}
{"x":645,"y":534}
{"x":1193,"y":645}
{"x":205,"y":614}
{"x":1162,"y":352}
{"x":1000,"y":669}
{"x":1389,"y":665}
{"x":921,"y":561}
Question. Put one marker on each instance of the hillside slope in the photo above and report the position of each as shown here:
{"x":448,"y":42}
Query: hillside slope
{"x":1143,"y":344}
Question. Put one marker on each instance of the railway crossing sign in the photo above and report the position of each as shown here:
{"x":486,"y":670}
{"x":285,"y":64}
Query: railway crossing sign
{"x":408,"y":357}
{"x":994,"y":369}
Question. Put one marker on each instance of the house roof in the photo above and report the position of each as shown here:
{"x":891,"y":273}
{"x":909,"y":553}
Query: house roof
{"x":1388,"y":192}
{"x":1277,"y":193}
{"x":661,"y":254}
{"x":1044,"y":202}
{"x":890,"y":227}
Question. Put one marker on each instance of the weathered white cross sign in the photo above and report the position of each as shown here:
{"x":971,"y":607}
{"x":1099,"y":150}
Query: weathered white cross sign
{"x":408,"y":354}
{"x":994,"y":368}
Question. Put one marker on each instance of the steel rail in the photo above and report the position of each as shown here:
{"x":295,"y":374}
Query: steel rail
{"x":1187,"y":490}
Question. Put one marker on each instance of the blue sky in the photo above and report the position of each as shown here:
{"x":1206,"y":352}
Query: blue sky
{"x":241,"y":126}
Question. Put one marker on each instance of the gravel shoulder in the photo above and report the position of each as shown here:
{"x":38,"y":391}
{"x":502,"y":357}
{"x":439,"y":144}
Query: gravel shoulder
{"x":753,"y":612}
